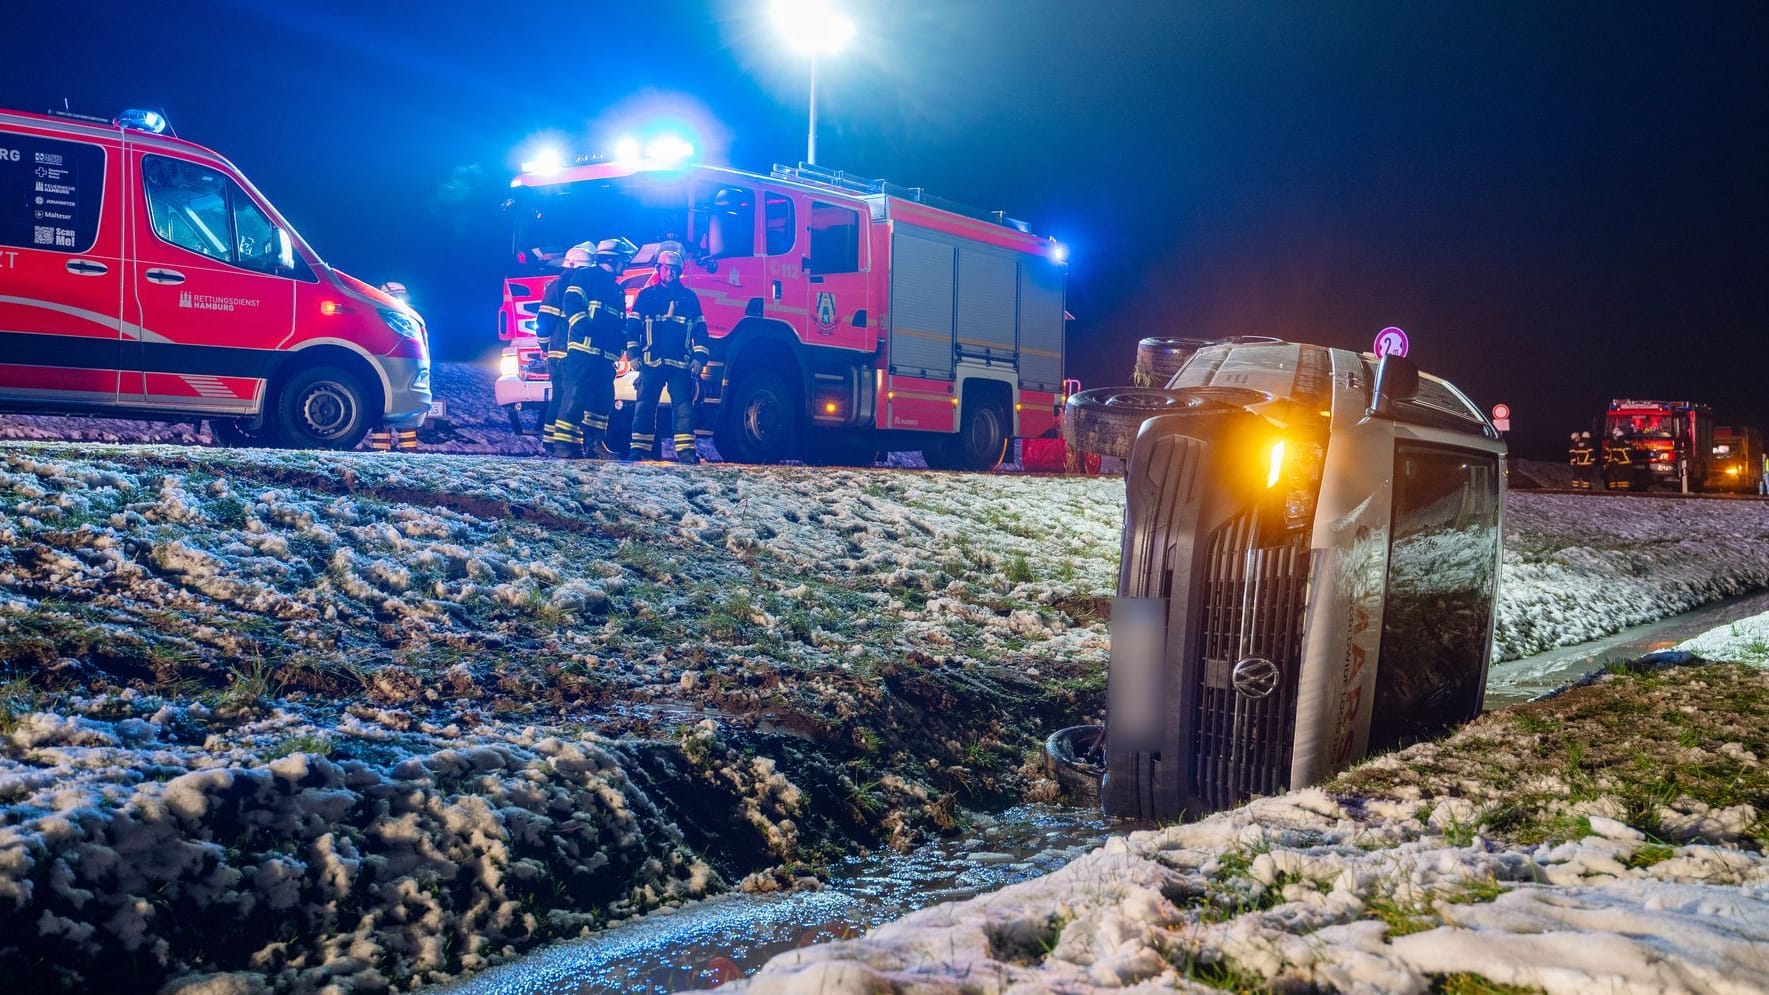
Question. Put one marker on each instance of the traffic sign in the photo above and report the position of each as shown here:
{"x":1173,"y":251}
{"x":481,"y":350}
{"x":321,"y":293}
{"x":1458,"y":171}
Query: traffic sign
{"x":1501,"y":411}
{"x":1391,"y":341}
{"x":1502,"y":424}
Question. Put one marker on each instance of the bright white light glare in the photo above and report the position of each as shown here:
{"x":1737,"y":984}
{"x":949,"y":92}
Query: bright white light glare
{"x":1059,"y":253}
{"x":546,"y":162}
{"x":626,"y":148}
{"x":812,"y":27}
{"x":669,"y":148}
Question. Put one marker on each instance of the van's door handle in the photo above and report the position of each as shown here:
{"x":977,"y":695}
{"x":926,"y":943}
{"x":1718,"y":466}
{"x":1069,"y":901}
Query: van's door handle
{"x":165,"y":277}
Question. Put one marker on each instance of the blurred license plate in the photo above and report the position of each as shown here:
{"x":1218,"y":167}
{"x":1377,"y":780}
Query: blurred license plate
{"x":438,"y":409}
{"x":1134,"y":678}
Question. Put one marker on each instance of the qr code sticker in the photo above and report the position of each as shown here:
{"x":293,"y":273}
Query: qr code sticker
{"x":43,"y":235}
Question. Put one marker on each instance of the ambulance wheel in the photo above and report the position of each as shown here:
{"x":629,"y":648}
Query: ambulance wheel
{"x":322,"y":407}
{"x":1105,"y":420}
{"x":760,"y":421}
{"x":981,"y":442}
{"x":233,"y":432}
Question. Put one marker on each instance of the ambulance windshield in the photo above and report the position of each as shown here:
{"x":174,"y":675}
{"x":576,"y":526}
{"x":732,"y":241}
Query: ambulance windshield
{"x":712,"y":219}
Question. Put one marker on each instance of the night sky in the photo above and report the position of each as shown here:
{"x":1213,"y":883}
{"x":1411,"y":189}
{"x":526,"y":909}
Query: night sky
{"x":1561,"y":202}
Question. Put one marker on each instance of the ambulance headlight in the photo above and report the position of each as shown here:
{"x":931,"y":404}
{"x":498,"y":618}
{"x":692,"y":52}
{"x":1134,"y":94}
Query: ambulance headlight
{"x":402,"y":323}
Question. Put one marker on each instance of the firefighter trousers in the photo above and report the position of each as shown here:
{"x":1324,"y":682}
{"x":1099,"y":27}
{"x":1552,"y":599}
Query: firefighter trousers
{"x":652,"y":381}
{"x":584,"y":397}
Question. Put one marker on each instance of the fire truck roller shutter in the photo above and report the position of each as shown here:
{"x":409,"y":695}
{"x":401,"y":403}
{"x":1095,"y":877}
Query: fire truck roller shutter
{"x":922,"y":280}
{"x":988,"y":285}
{"x":1041,"y":324}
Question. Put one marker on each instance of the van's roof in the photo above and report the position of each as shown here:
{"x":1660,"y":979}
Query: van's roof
{"x":86,"y":128}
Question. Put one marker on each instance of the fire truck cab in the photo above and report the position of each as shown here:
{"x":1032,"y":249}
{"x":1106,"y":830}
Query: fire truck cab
{"x":144,"y":276}
{"x":847,"y":317}
{"x":1658,"y":443}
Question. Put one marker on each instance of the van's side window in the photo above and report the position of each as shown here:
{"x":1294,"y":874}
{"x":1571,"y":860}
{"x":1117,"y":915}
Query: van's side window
{"x":199,"y":209}
{"x":835,"y":239}
{"x":50,"y":193}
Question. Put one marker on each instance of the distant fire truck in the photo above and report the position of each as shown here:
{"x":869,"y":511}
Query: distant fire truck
{"x":848,"y":317}
{"x":1737,"y":463}
{"x":1658,"y":444}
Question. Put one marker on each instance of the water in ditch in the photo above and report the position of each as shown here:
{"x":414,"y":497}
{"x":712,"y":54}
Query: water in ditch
{"x":706,"y":943}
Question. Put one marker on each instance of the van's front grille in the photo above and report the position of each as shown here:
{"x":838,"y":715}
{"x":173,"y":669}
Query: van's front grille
{"x":1253,"y":602}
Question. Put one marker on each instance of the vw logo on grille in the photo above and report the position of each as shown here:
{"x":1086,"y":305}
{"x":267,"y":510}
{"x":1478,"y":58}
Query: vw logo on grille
{"x":1255,"y":677}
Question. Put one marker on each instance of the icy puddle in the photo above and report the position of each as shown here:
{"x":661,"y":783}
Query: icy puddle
{"x":706,"y":943}
{"x":1521,"y":680}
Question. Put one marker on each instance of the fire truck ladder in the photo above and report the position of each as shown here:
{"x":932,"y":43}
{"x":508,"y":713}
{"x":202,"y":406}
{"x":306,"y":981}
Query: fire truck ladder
{"x":836,"y":179}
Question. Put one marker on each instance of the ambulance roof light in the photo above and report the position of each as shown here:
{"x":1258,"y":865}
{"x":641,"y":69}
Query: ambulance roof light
{"x":546,"y":162}
{"x":152,"y":122}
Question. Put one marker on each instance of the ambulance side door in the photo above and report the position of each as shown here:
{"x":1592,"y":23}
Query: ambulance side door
{"x":214,"y":303}
{"x":61,"y":270}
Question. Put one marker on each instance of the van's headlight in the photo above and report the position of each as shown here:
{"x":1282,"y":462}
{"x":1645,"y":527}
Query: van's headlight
{"x":1293,"y":470}
{"x":401,"y":322}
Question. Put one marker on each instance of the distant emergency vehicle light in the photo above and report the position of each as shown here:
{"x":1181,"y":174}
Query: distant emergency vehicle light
{"x":1059,"y":253}
{"x":668,"y":148}
{"x":546,"y":162}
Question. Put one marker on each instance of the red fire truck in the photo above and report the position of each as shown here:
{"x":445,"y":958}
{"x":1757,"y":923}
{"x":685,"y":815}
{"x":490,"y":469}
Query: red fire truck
{"x":1658,"y":444}
{"x":144,"y":276}
{"x":848,"y":316}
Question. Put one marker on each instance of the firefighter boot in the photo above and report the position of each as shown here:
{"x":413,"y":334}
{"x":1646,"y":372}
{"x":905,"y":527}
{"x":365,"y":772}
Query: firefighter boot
{"x":595,"y":446}
{"x":685,"y":452}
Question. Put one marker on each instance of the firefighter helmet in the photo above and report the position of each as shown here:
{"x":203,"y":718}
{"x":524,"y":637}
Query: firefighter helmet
{"x":671,"y":254}
{"x":1575,"y":437}
{"x":579,"y":255}
{"x":618,"y":250}
{"x":1584,"y":435}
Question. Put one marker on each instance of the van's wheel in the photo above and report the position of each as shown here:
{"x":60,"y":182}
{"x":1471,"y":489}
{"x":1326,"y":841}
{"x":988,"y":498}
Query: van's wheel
{"x":1158,"y":359}
{"x":981,"y":442}
{"x":233,"y":432}
{"x":322,"y":407}
{"x":1105,"y":420}
{"x":760,"y":421}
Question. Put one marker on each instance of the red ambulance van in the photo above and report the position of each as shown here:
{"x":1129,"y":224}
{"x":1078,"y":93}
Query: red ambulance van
{"x":144,"y":276}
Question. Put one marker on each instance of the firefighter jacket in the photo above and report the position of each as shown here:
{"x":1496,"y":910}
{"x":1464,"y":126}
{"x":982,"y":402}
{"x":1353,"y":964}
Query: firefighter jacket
{"x":595,"y":313}
{"x":667,"y":327}
{"x":1581,"y":453}
{"x":549,"y":322}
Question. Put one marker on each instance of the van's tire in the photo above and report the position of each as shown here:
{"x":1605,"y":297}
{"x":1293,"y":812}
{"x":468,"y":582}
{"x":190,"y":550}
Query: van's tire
{"x":1158,"y":359}
{"x":984,"y":431}
{"x":233,"y":432}
{"x":322,"y":407}
{"x":761,"y":420}
{"x":1105,"y":420}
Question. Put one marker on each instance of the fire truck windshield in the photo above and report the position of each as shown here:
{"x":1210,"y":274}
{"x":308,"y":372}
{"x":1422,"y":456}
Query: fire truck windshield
{"x":646,"y":209}
{"x":1643,"y":425}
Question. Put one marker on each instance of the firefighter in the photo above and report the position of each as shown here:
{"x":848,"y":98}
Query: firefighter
{"x":1618,"y":463}
{"x":1596,"y":476}
{"x":667,"y":340}
{"x":1763,"y":481}
{"x":594,"y":312}
{"x":549,"y":327}
{"x":1575,"y":459}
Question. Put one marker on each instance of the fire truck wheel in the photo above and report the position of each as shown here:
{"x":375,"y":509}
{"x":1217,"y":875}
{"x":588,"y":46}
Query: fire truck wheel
{"x":322,"y":407}
{"x":1104,"y":420}
{"x":981,"y":442}
{"x":760,"y":423}
{"x":233,"y":432}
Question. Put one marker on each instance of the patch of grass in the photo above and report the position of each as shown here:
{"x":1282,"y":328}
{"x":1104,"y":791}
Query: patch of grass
{"x":1019,"y":569}
{"x":17,"y":698}
{"x":248,"y":687}
{"x":1648,"y":854}
{"x":311,"y":743}
{"x":1464,"y":983}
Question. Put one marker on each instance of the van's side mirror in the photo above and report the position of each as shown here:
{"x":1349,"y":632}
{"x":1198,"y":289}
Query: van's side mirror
{"x":285,"y":251}
{"x":1397,"y":379}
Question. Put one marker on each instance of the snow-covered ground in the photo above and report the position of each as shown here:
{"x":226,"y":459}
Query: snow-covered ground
{"x":354,"y":719}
